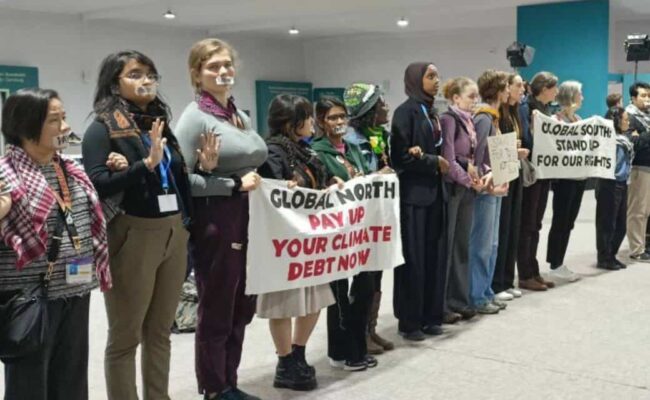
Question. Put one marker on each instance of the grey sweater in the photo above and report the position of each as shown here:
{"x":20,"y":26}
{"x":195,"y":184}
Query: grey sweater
{"x":242,"y":151}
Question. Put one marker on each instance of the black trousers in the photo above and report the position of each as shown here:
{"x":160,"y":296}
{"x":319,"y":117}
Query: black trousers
{"x":59,"y":371}
{"x":419,"y":284}
{"x":567,"y":197}
{"x":347,"y":319}
{"x":532,"y":212}
{"x":509,"y":223}
{"x":611,"y":212}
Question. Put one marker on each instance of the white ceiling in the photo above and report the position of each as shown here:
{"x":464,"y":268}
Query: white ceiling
{"x":314,"y":18}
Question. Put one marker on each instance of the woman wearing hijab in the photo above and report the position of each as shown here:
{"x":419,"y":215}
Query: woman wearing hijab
{"x":418,"y":299}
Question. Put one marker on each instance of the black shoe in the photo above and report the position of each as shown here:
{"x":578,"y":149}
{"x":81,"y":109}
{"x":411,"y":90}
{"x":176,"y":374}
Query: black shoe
{"x":290,"y":375}
{"x":432,"y":330}
{"x":354,"y":366}
{"x":298,"y":353}
{"x":608,"y":265}
{"x":451,"y":318}
{"x":244,"y":396}
{"x":643,"y":257}
{"x":228,"y":394}
{"x":467,"y":313}
{"x":413,"y":336}
{"x":371,"y":361}
{"x":619,"y":263}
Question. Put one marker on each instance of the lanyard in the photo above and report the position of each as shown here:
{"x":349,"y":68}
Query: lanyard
{"x":65,"y":205}
{"x":433,"y":131}
{"x":164,"y":164}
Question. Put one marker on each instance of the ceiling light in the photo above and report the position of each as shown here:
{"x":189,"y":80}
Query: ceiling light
{"x":293,"y":31}
{"x":169,"y":14}
{"x":403,"y":22}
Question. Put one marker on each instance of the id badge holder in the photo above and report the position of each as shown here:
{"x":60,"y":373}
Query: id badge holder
{"x":167,"y":203}
{"x":79,"y":271}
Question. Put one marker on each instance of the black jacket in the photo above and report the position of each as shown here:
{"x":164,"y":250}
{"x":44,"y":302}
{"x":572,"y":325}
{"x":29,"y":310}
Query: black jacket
{"x":641,"y":142}
{"x":140,"y":187}
{"x":420,"y":180}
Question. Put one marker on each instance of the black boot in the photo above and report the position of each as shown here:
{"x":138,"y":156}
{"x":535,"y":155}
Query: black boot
{"x":289,"y":375}
{"x":299,"y":355}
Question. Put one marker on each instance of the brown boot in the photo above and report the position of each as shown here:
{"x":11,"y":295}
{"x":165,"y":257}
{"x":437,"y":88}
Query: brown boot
{"x":532,"y":284}
{"x":373,"y":348}
{"x":548,"y":284}
{"x":372,"y":325}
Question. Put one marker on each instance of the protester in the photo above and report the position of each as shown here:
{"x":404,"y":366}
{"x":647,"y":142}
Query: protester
{"x":614,"y":100}
{"x":543,"y":88}
{"x":147,"y":237}
{"x":368,"y":113}
{"x":484,"y":234}
{"x":459,"y":149}
{"x":54,"y":234}
{"x":347,"y":320}
{"x":510,"y":216}
{"x":219,"y":232}
{"x":638,"y":202}
{"x":290,"y":158}
{"x":611,"y":196}
{"x":418,"y":294}
{"x":567,"y":193}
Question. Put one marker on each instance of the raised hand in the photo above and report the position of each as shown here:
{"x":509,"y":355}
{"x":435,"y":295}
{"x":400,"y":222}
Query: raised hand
{"x":208,"y":154}
{"x":158,"y":143}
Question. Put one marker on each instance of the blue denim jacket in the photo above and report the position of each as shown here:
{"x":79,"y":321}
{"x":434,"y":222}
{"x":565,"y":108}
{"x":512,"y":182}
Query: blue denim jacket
{"x":623,"y":163}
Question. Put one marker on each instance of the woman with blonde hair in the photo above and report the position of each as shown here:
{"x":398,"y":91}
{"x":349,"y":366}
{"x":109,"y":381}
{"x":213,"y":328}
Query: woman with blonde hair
{"x":219,"y":234}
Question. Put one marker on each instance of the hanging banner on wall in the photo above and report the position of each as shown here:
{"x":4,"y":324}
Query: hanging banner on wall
{"x":265,"y":91}
{"x":584,"y":149}
{"x":302,"y":237}
{"x":13,"y":78}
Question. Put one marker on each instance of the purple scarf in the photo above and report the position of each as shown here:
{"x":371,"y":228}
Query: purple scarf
{"x":210,"y":105}
{"x":466,"y":117}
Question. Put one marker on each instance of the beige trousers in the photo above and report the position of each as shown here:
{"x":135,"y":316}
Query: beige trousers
{"x":148,"y":258}
{"x":638,"y":209}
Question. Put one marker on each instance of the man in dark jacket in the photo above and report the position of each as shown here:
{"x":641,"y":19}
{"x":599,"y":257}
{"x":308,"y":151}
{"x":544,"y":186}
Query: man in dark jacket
{"x":638,"y":203}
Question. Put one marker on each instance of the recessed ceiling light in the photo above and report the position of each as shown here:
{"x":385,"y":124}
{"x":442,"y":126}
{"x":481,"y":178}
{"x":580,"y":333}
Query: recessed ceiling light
{"x":403,"y":22}
{"x":169,"y":14}
{"x":293,"y":31}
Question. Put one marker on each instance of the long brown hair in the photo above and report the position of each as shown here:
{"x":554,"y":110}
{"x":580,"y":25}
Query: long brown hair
{"x":509,"y":120}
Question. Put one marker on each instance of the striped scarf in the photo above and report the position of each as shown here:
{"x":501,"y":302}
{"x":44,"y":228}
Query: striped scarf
{"x":24,"y":229}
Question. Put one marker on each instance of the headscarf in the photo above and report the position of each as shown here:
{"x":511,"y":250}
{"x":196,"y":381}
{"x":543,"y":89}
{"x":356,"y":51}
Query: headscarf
{"x":413,"y":83}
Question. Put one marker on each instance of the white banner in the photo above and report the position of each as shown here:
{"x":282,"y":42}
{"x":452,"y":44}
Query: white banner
{"x":302,"y":237}
{"x":503,"y":157}
{"x":583,"y":149}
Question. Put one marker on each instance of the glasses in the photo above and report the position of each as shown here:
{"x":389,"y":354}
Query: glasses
{"x":336,"y":117}
{"x":138,"y":76}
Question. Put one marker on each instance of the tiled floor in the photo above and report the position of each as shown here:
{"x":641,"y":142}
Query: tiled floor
{"x":587,"y":340}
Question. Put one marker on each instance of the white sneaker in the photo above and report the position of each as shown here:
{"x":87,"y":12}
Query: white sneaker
{"x":504,"y":296}
{"x":515,"y":292}
{"x":336,"y":363}
{"x":563,"y":273}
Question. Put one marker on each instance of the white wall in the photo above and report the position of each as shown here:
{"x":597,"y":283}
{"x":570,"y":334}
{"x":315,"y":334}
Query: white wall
{"x":67,"y":52}
{"x":621,"y":29}
{"x":382,"y":59}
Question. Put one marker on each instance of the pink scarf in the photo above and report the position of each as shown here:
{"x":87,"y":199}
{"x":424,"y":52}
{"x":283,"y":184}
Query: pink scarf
{"x":466,"y":117}
{"x":24,"y":229}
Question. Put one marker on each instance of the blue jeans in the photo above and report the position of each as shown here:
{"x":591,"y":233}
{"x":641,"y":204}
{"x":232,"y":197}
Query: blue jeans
{"x":483,"y":247}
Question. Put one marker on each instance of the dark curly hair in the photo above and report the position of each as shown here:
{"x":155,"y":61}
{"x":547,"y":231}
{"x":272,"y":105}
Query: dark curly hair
{"x":616,"y":115}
